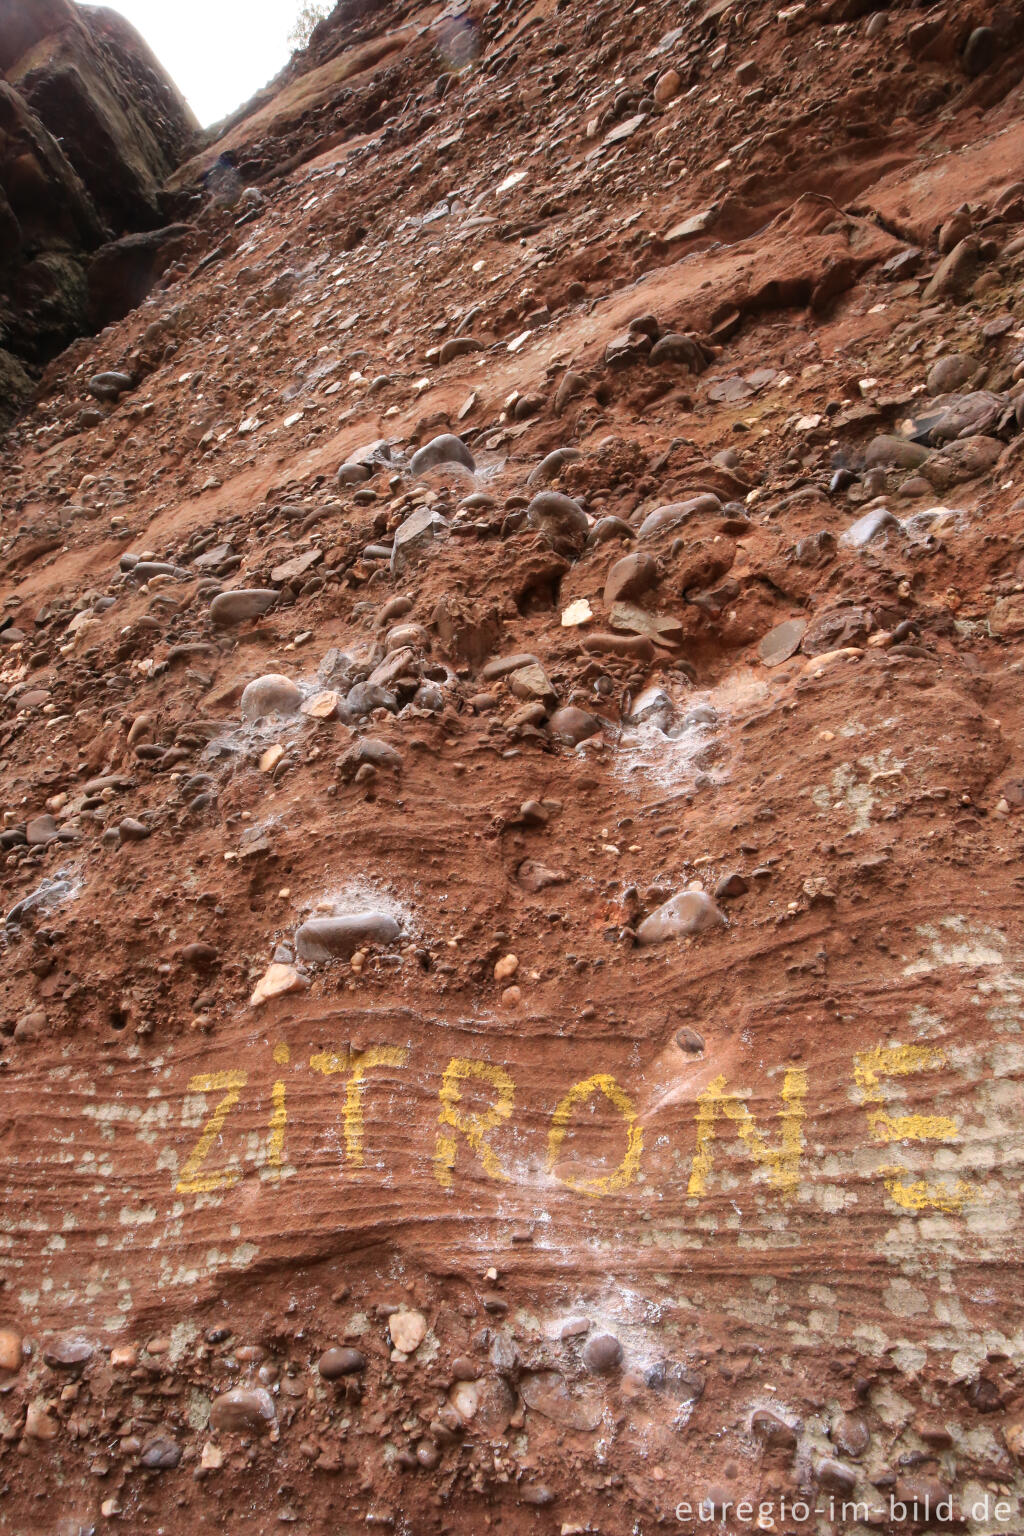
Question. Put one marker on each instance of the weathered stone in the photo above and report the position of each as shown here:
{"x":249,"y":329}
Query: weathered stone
{"x":110,"y":386}
{"x":532,"y":682}
{"x":835,"y":1475}
{"x":689,"y":912}
{"x":571,"y":387}
{"x":850,"y":1435}
{"x":664,"y":629}
{"x":400,"y":663}
{"x":363,"y":698}
{"x":278,"y":979}
{"x":272,"y":694}
{"x":69,"y":1351}
{"x":949,"y":373}
{"x":458,"y":346}
{"x":338,"y":1362}
{"x":407,"y":635}
{"x":551,"y":465}
{"x":40,"y":830}
{"x":630,"y":578}
{"x":780,"y":643}
{"x":39,"y":1423}
{"x":546,"y":1392}
{"x":602,"y":1353}
{"x":871,"y":526}
{"x":132,"y":830}
{"x":896,"y":452}
{"x":446,"y":449}
{"x":379,"y":754}
{"x":573,"y":725}
{"x":675,"y":512}
{"x":561,"y":520}
{"x":835,"y":629}
{"x":981,"y":51}
{"x":294,"y":569}
{"x":10,"y":1350}
{"x":243,"y":1411}
{"x":322,"y":705}
{"x":240,"y":605}
{"x":681,"y":349}
{"x":619,"y":645}
{"x":330,"y":938}
{"x":956,"y":272}
{"x":353,"y":474}
{"x":668,"y":86}
{"x":160,"y":1453}
{"x":773,"y":1431}
{"x":535,"y":877}
{"x":408,"y":1330}
{"x":921,"y":1493}
{"x":418,"y":531}
{"x":501,"y":666}
{"x":610,"y":528}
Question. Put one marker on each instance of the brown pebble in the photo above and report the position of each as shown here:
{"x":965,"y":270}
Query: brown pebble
{"x":337,"y":1362}
{"x":602,"y":1353}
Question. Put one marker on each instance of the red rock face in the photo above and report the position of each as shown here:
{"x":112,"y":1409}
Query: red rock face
{"x":513,"y":954}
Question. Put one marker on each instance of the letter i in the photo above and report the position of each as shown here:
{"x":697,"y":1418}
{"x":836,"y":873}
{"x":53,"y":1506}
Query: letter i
{"x":279,"y":1115}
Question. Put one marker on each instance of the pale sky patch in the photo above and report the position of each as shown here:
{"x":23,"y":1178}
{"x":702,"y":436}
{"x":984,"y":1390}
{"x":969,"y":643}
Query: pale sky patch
{"x":218,"y":52}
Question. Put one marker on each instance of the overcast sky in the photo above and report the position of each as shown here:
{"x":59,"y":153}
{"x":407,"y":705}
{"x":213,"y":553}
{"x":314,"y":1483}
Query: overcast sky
{"x":218,"y":52}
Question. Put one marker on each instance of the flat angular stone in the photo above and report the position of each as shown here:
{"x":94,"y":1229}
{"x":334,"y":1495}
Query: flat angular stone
{"x":782,"y":642}
{"x":297,"y":566}
{"x":276,"y":980}
{"x":574,"y":725}
{"x":407,"y":1330}
{"x":418,"y":531}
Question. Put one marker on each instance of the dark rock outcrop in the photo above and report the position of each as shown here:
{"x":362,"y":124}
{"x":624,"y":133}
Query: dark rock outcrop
{"x":90,"y":130}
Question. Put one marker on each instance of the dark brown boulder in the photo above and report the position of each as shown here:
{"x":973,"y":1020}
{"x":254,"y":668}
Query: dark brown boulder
{"x":124,"y":271}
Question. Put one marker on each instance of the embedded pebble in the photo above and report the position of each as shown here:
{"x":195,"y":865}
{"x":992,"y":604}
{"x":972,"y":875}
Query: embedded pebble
{"x":10,"y":1350}
{"x":687,"y":913}
{"x":630,"y":577}
{"x":782,"y":642}
{"x":551,"y":465}
{"x":407,"y":1330}
{"x":337,"y":1362}
{"x":446,"y":449}
{"x":110,"y":385}
{"x":242,"y":1410}
{"x":602,"y":1353}
{"x":236,"y":607}
{"x":573,"y":725}
{"x":272,"y":694}
{"x":558,"y":518}
{"x":331,"y":938}
{"x":40,"y":830}
{"x":160,"y":1453}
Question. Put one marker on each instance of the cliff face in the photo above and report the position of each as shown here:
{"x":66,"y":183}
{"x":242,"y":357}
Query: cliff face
{"x":91,"y":129}
{"x":511,"y":761}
